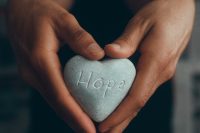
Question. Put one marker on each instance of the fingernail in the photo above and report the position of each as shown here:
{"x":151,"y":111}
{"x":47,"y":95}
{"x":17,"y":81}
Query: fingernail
{"x":94,"y":51}
{"x":93,"y":48}
{"x":115,"y":46}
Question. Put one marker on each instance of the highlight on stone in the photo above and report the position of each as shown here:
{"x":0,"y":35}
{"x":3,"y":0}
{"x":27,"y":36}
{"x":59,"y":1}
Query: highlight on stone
{"x":99,"y":86}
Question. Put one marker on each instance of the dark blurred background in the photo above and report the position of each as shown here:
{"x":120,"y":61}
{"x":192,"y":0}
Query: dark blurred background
{"x":15,"y":95}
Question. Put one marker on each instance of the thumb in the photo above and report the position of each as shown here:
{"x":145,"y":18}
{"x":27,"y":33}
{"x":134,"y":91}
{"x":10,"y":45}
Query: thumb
{"x":128,"y":42}
{"x":77,"y":38}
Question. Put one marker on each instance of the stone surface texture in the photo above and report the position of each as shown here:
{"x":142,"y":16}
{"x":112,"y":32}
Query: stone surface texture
{"x":99,"y":86}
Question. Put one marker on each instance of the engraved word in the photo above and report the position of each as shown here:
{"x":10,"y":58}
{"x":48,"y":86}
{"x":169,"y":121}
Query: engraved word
{"x":87,"y":79}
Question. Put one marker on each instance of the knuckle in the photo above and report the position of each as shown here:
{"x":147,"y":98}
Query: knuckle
{"x":164,"y":59}
{"x":170,"y":71}
{"x":64,"y":20}
{"x":160,"y":61}
{"x":66,"y":16}
{"x":37,"y":59}
{"x":140,"y":103}
{"x":142,"y":22}
{"x":138,"y":20}
{"x":74,"y":32}
{"x":125,"y":40}
{"x":164,"y":29}
{"x":80,"y":35}
{"x":165,"y":64}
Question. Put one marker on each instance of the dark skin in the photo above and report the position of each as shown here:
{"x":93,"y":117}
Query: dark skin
{"x":160,"y":30}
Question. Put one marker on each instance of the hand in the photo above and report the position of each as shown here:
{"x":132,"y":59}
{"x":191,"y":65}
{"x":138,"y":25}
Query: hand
{"x":36,"y":28}
{"x":160,"y":31}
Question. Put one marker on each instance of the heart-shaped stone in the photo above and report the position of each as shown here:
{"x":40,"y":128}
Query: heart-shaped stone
{"x":99,"y":86}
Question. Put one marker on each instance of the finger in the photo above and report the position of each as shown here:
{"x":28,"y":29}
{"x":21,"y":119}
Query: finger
{"x":129,"y":41}
{"x":122,"y":126}
{"x":150,"y":67}
{"x":57,"y":95}
{"x":77,"y":38}
{"x":25,"y":69}
{"x":67,"y":4}
{"x":54,"y":90}
{"x":141,"y":90}
{"x":27,"y":74}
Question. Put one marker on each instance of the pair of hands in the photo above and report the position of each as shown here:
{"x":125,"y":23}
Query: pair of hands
{"x":160,"y":31}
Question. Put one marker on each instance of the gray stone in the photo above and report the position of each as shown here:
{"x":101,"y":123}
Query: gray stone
{"x":99,"y":86}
